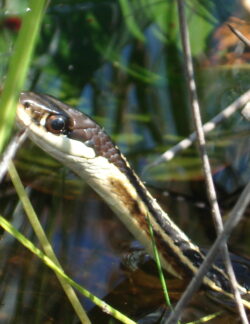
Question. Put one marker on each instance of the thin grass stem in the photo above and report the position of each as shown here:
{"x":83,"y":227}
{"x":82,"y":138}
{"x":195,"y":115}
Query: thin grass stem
{"x":45,"y":242}
{"x":194,"y":102}
{"x":30,"y":246}
{"x":158,"y":263}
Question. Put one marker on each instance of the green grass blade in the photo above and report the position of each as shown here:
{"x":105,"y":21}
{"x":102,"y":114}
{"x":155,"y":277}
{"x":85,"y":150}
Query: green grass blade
{"x":45,"y":242}
{"x":130,"y":19}
{"x":158,"y":263}
{"x":206,"y":318}
{"x":30,"y":246}
{"x":18,"y":66}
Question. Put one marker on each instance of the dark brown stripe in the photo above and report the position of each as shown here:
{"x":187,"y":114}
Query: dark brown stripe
{"x":135,"y":211}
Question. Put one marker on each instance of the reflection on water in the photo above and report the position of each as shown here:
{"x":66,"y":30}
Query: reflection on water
{"x":93,"y":248}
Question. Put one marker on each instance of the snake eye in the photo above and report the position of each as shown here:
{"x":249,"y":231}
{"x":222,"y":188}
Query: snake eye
{"x":56,"y":124}
{"x":26,"y":104}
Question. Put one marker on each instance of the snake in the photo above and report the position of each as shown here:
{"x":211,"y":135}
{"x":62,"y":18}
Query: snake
{"x":79,"y":143}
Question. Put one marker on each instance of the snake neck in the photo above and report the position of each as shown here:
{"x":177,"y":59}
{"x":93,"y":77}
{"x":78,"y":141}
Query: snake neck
{"x":133,"y":204}
{"x":82,"y":145}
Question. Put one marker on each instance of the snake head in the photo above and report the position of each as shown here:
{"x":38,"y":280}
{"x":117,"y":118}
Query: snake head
{"x":55,"y":126}
{"x":60,"y":129}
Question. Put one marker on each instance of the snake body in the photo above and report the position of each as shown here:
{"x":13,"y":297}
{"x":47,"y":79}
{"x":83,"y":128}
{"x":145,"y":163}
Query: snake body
{"x":81,"y":144}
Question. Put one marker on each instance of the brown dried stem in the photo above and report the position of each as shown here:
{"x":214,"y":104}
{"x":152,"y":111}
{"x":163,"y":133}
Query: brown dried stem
{"x":205,"y":162}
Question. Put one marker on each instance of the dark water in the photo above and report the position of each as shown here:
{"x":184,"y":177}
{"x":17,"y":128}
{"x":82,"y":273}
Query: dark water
{"x":123,"y":65}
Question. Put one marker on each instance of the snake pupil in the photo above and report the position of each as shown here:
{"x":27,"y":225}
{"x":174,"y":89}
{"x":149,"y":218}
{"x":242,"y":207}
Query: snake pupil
{"x":56,"y":123}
